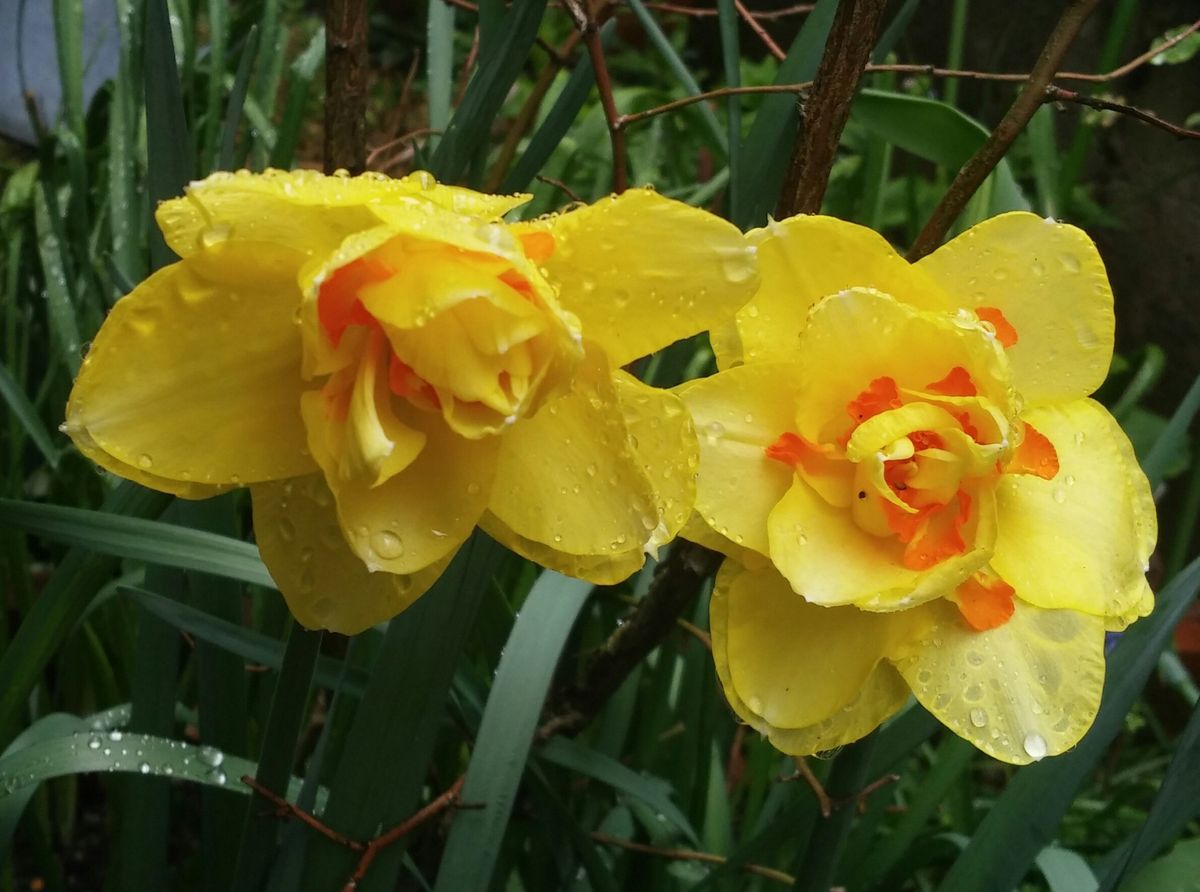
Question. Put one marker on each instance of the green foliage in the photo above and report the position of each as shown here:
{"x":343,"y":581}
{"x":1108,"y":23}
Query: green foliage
{"x":147,"y":664}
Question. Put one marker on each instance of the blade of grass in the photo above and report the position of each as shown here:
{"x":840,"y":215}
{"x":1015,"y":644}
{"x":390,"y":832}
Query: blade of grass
{"x":382,"y":767}
{"x":683,"y":74}
{"x":60,"y":303}
{"x":27,"y":416}
{"x":125,"y":208}
{"x":246,"y":644}
{"x":145,"y":540}
{"x":1026,"y":816}
{"x":218,"y":33}
{"x":1174,"y":806}
{"x":439,"y":64}
{"x":1159,"y":457}
{"x":766,"y":148}
{"x":75,"y":582}
{"x":506,"y":734}
{"x":68,"y":38}
{"x":169,"y":154}
{"x":237,"y":101}
{"x":284,"y":724}
{"x":143,"y":817}
{"x":299,"y":83}
{"x":499,"y":65}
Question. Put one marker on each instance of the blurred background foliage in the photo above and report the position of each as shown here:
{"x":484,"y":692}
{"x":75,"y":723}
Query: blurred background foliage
{"x":147,"y":665}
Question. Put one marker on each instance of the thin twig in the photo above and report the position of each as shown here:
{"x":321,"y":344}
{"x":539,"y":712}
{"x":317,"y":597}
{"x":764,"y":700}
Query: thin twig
{"x":978,"y":166}
{"x":772,"y":47}
{"x":677,"y":581}
{"x":1145,"y":57}
{"x":345,"y":85}
{"x":561,"y":187}
{"x":691,"y":855}
{"x":803,"y":772}
{"x":447,"y":799}
{"x":1058,"y":94}
{"x":585,"y":21}
{"x":285,"y":809}
{"x":464,"y":75}
{"x":764,"y":15}
{"x":373,"y":155}
{"x":847,"y":52}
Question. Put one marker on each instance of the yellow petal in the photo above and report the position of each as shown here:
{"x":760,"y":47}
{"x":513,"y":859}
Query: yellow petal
{"x":197,"y":382}
{"x":569,"y":477}
{"x":809,"y":677}
{"x":664,"y":444}
{"x":858,"y":336}
{"x":420,"y":514}
{"x":642,"y":271}
{"x":738,"y":413}
{"x":805,"y":258}
{"x":605,"y":569}
{"x":326,"y":585}
{"x":1027,"y":689}
{"x":1083,"y":539}
{"x":697,"y":530}
{"x":1048,"y":281}
{"x":306,"y":209}
{"x":830,"y":560}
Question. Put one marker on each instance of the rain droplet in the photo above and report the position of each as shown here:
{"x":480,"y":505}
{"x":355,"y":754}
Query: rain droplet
{"x":94,"y":743}
{"x":214,"y":235}
{"x":287,"y":531}
{"x":978,"y":717}
{"x":145,"y":461}
{"x":1059,"y":494}
{"x":473,"y":489}
{"x":211,"y":756}
{"x":115,"y":735}
{"x":144,"y":768}
{"x":1069,"y":262}
{"x":1035,"y":746}
{"x":387,"y":544}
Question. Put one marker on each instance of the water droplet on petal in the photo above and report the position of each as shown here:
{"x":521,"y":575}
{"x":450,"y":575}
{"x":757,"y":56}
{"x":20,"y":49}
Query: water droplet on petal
{"x":145,"y":461}
{"x":1035,"y":746}
{"x":387,"y":545}
{"x":978,"y":717}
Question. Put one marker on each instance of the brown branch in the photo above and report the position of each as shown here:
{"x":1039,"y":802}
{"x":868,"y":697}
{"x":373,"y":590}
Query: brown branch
{"x":847,"y":52}
{"x":369,"y":851}
{"x":585,"y":21}
{"x":1058,"y":94}
{"x":561,"y":187}
{"x":764,"y":15}
{"x":345,"y":85}
{"x":978,"y":166}
{"x":447,"y":799}
{"x":691,"y":855}
{"x":1145,"y":57}
{"x":824,"y":803}
{"x":464,"y":75}
{"x":759,"y":30}
{"x":677,"y":581}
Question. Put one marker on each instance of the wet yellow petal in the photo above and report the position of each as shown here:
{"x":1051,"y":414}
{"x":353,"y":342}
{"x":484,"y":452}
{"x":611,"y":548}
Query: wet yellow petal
{"x":196,"y":382}
{"x":664,"y":444}
{"x":830,"y":560}
{"x":604,"y":569}
{"x":642,"y":271}
{"x":1083,"y":539}
{"x":326,"y":585}
{"x":1027,"y":689}
{"x":859,"y":335}
{"x":1048,"y":281}
{"x":422,"y":513}
{"x":569,"y":477}
{"x":805,"y":258}
{"x":307,"y":210}
{"x":738,"y":413}
{"x":809,"y":677}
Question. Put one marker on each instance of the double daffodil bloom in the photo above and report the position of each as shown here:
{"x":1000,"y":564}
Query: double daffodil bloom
{"x":386,"y":364}
{"x":914,"y":489}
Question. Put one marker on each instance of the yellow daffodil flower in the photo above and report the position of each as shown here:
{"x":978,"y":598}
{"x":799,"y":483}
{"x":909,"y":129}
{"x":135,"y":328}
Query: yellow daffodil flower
{"x":386,"y":364}
{"x":916,"y":492}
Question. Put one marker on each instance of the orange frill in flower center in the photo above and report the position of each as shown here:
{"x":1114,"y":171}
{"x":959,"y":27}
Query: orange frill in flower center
{"x":923,"y":497}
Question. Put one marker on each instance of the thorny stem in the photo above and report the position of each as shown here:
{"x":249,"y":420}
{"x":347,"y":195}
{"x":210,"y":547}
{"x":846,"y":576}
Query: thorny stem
{"x":345,"y":85}
{"x":691,"y":855}
{"x":847,"y":52}
{"x":1028,"y":101}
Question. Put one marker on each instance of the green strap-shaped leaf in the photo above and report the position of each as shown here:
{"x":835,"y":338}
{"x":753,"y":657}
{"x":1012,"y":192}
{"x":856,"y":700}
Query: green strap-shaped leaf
{"x":506,"y":734}
{"x":27,"y":416}
{"x":144,"y":540}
